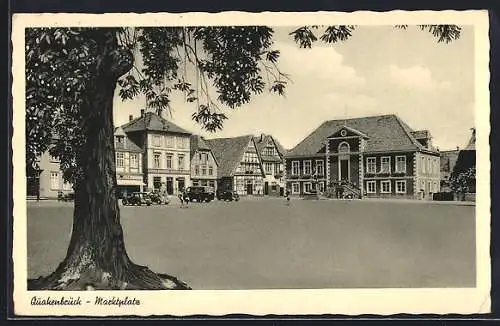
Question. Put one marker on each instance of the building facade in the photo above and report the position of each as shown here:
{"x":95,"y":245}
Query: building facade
{"x":128,"y":162}
{"x":240,"y":169}
{"x":203,"y":163}
{"x":47,"y":181}
{"x":166,"y":152}
{"x":271,"y":156}
{"x":377,"y":156}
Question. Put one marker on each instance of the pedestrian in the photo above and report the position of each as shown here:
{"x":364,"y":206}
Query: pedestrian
{"x":186,"y":198}
{"x":181,"y":198}
{"x":287,"y":194}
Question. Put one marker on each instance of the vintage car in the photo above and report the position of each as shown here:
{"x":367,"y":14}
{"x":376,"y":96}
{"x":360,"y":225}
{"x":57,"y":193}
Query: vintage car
{"x":158,"y":199}
{"x":70,"y":196}
{"x":200,"y":194}
{"x":227,"y":195}
{"x":137,"y":199}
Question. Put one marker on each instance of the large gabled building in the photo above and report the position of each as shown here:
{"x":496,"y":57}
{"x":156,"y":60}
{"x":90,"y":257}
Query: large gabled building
{"x":272,"y":156}
{"x":204,"y":166}
{"x":239,"y":167}
{"x":165,"y":152}
{"x":378,"y":156}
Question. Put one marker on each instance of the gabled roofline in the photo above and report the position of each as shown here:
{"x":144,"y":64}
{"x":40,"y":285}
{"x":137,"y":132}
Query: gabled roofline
{"x":359,"y":133}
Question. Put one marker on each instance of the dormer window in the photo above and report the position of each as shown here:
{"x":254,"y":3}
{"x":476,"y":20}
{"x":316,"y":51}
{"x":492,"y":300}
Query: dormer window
{"x":120,"y":139}
{"x":344,"y":147}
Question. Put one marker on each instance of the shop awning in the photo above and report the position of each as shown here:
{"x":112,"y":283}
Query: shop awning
{"x":128,"y":182}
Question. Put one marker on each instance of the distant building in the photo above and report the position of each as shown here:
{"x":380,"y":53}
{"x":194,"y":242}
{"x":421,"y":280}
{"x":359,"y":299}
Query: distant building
{"x":239,"y":167}
{"x":378,"y":156}
{"x":129,"y":174}
{"x":203,"y":163}
{"x":467,"y":159}
{"x":166,"y":152}
{"x":448,"y":161}
{"x":271,"y":155}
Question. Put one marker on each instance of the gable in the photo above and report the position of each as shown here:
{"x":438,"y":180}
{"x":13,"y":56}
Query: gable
{"x":345,"y":131}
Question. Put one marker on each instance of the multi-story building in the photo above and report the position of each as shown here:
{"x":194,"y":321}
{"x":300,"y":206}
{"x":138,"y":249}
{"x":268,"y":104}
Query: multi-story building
{"x":46,"y":181}
{"x":166,"y":151}
{"x":271,"y":155}
{"x":203,"y":163}
{"x":239,"y":168}
{"x":379,"y":156}
{"x":128,"y":161}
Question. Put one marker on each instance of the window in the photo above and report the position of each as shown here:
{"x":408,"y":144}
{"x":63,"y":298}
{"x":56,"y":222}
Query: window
{"x":295,"y":188}
{"x":385,"y":186}
{"x":295,"y":167}
{"x":268,"y":168}
{"x":401,"y":187}
{"x":250,"y":157}
{"x":307,"y":187}
{"x":119,"y":160}
{"x":156,"y":141}
{"x":120,"y":140}
{"x":196,"y":169}
{"x":321,"y":187}
{"x":211,"y":183}
{"x":180,"y":162}
{"x":169,"y":141}
{"x":196,"y":183}
{"x":385,"y":164}
{"x":157,"y":182}
{"x":422,"y":185}
{"x":422,"y":161}
{"x":203,"y":170}
{"x":210,"y":170}
{"x":319,"y":167}
{"x":53,"y":158}
{"x":307,"y":167}
{"x":371,"y":165}
{"x":67,"y":186}
{"x":269,"y":151}
{"x":178,"y":142}
{"x":400,"y":163}
{"x":54,"y":180}
{"x":277,"y":168}
{"x":371,"y":187}
{"x":343,"y":147}
{"x":436,"y":187}
{"x":134,"y":163}
{"x":168,"y":161}
{"x":156,"y":160}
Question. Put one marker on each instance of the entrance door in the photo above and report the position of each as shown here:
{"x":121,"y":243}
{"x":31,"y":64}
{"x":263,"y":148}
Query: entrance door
{"x":180,"y":184}
{"x":266,"y":188}
{"x":170,"y":186}
{"x":249,"y":189}
{"x":344,"y":170}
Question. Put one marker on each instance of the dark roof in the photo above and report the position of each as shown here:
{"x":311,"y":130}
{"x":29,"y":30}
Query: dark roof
{"x":153,"y":122}
{"x":228,"y":152}
{"x":385,"y":132}
{"x":127,"y":145}
{"x":448,"y":160}
{"x":198,"y":142}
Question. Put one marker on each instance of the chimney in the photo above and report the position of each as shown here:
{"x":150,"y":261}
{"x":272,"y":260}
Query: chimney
{"x":142,"y":112}
{"x":130,"y":117}
{"x":261,"y":137}
{"x":458,"y":148}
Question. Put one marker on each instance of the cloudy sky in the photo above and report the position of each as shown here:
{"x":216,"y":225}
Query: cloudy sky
{"x":380,"y":70}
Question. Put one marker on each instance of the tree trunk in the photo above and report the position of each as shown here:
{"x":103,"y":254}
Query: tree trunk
{"x":96,"y":256}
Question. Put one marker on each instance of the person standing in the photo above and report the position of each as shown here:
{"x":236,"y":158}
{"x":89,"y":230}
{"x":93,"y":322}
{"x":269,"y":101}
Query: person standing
{"x":181,"y":199}
{"x":287,"y":194}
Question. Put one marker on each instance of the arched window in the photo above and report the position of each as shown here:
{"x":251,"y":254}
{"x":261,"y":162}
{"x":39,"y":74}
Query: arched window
{"x":344,"y":147}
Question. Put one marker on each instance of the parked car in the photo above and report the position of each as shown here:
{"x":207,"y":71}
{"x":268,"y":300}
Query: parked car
{"x":137,"y":199}
{"x":65,"y":197}
{"x":158,"y":199}
{"x":200,"y":194}
{"x":227,"y":195}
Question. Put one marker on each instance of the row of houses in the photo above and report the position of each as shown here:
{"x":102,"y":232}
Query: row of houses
{"x":153,"y":153}
{"x":378,"y":156}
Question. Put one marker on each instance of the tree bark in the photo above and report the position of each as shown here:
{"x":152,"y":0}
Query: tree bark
{"x":96,"y":257}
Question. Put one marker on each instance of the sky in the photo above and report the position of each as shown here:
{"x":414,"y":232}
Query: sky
{"x":379,"y":70}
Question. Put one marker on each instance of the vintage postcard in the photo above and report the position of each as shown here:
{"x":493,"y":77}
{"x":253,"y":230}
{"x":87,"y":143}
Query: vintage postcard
{"x":251,"y":163}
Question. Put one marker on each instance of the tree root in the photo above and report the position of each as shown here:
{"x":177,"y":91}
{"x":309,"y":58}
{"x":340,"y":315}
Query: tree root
{"x":135,"y":278}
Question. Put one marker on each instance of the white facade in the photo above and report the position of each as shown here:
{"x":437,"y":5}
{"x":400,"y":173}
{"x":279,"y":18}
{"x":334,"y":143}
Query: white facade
{"x":167,"y":161}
